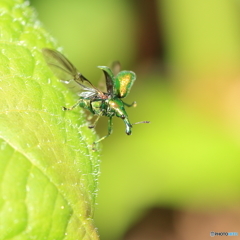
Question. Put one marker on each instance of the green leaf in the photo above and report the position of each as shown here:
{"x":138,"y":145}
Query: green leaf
{"x":48,"y":171}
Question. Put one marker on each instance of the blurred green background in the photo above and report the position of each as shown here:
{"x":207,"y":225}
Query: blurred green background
{"x":186,"y":55}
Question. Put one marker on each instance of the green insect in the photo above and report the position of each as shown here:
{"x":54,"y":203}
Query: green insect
{"x":99,"y":103}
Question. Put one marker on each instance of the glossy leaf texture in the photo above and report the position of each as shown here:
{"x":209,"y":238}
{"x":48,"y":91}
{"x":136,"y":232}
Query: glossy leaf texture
{"x":48,"y":172}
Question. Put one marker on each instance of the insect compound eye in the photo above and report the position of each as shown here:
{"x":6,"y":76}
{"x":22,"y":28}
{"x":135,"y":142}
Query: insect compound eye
{"x":123,"y":117}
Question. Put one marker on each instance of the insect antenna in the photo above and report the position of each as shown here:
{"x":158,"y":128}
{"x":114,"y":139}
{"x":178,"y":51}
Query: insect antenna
{"x":141,"y":122}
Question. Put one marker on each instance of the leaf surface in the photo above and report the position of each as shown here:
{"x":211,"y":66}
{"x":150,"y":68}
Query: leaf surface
{"x":48,"y":172}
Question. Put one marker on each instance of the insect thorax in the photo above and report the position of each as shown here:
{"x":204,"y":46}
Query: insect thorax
{"x":95,"y":106}
{"x":110,"y":107}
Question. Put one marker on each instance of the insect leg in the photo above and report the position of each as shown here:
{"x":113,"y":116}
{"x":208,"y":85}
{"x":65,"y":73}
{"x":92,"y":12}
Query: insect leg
{"x":89,"y":117}
{"x":133,"y":104}
{"x":109,"y":133}
{"x":95,"y":122}
{"x":71,"y":108}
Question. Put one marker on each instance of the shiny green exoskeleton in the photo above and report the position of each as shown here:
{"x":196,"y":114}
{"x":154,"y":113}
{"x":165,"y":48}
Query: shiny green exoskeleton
{"x":99,"y":103}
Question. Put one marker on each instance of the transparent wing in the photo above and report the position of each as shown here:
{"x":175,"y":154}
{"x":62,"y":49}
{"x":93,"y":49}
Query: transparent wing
{"x":60,"y":65}
{"x":116,"y":67}
{"x":66,"y":71}
{"x":88,"y":94}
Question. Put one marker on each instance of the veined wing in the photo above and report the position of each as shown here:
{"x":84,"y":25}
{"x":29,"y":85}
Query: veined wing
{"x":90,"y":93}
{"x":116,"y":67}
{"x":66,"y":71}
{"x":60,"y":65}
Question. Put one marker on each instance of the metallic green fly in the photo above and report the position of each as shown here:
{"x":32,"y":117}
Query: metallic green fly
{"x":99,"y":103}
